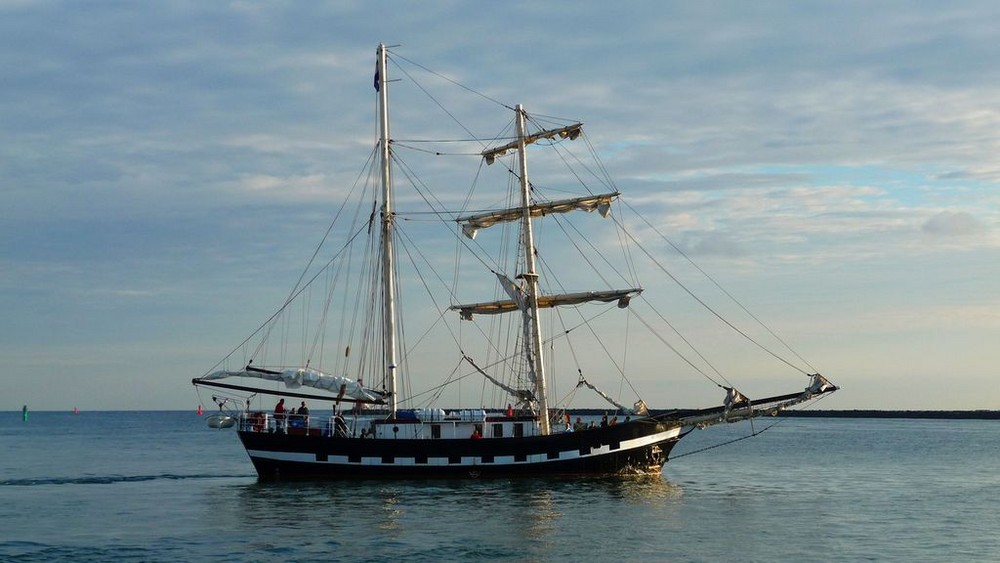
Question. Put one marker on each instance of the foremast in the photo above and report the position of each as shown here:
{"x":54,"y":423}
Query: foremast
{"x":388,"y":265}
{"x":525,"y":297}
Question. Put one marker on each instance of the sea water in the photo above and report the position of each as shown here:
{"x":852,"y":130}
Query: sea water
{"x":161,"y":486}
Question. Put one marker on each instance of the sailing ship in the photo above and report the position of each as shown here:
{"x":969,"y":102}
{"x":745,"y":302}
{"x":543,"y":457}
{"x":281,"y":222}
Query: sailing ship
{"x":392,"y":427}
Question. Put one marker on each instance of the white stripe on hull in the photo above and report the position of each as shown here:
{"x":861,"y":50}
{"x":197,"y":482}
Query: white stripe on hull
{"x":310,"y":457}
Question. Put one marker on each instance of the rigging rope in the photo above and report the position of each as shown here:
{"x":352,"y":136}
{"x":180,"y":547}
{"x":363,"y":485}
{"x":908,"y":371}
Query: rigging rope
{"x":439,"y":75}
{"x":705,"y":305}
{"x":733,"y":441}
{"x":729,"y":295}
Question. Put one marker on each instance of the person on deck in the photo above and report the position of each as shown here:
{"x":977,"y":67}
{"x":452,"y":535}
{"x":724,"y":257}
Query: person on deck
{"x":279,"y":409}
{"x":303,"y":409}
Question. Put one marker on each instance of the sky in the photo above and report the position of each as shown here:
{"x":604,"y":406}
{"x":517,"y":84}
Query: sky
{"x":832,"y":163}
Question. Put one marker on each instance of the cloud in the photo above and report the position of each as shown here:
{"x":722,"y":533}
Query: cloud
{"x":713,"y":243}
{"x":173,"y":156}
{"x":989,"y":174}
{"x":952,"y":223}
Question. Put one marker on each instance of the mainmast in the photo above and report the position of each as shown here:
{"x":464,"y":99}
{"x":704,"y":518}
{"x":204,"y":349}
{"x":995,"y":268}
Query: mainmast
{"x":525,"y":298}
{"x":388,"y":266}
{"x":531,"y":277}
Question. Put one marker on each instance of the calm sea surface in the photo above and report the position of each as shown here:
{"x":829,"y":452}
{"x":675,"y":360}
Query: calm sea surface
{"x":161,"y":486}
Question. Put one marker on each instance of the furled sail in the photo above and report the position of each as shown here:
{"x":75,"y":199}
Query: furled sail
{"x":570,"y":132}
{"x":472,"y":223}
{"x":584,"y":383}
{"x":622,"y":296}
{"x":308,"y":377}
{"x":524,"y":396}
{"x":819,"y":385}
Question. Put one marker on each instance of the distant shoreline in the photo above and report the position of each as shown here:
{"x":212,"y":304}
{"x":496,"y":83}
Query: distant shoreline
{"x":856,"y":413}
{"x":875,"y":413}
{"x":956,"y":415}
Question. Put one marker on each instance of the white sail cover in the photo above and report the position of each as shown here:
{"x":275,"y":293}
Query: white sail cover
{"x":308,"y":377}
{"x":472,"y":223}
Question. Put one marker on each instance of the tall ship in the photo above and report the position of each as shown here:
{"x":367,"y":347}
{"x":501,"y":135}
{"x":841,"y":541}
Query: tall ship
{"x":523,"y":307}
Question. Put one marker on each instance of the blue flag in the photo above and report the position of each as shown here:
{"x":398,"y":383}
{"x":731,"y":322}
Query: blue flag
{"x":376,"y":79}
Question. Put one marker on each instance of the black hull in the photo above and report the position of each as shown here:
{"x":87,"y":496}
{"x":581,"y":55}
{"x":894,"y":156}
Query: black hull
{"x":631,"y":448}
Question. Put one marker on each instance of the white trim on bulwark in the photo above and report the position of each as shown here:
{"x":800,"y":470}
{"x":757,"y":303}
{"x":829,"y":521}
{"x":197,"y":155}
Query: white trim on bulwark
{"x":309,"y":457}
{"x":651,"y":439}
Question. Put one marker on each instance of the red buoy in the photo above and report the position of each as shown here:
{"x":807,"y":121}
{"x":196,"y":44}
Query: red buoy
{"x":199,"y":410}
